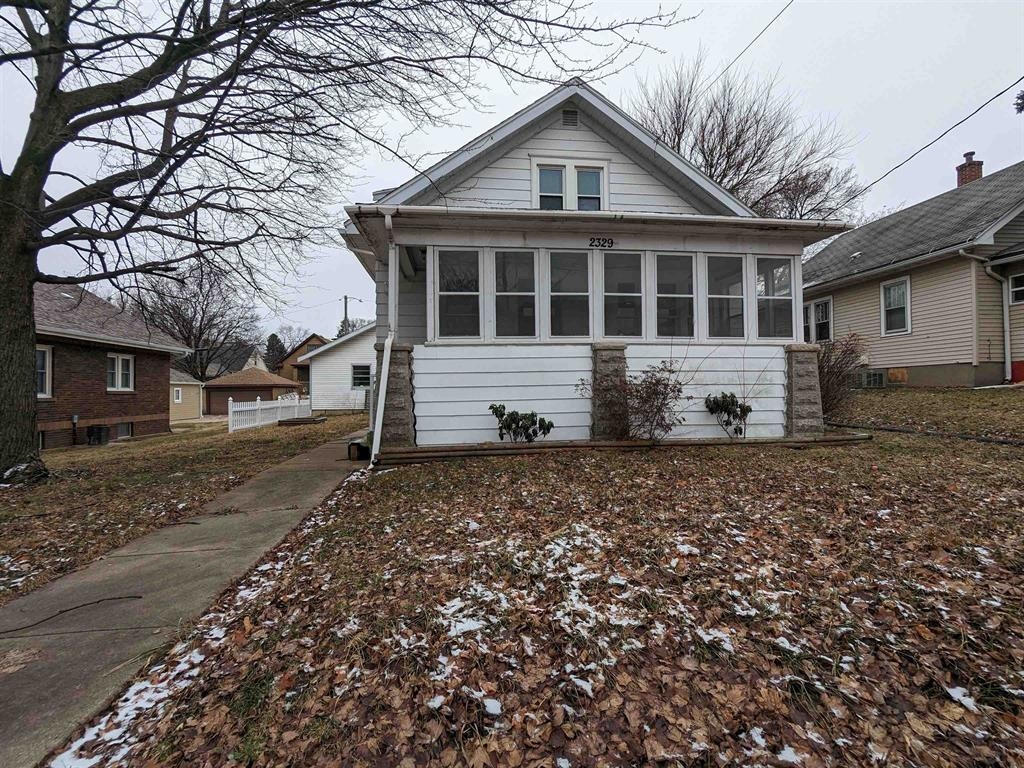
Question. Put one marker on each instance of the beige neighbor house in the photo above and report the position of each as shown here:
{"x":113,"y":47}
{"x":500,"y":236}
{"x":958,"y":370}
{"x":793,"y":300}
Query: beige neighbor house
{"x":936,"y":290}
{"x":186,"y":396}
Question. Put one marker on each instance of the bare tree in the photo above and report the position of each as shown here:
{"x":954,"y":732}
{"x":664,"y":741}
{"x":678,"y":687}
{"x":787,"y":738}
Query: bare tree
{"x":214,"y":130}
{"x":748,"y":136}
{"x":292,"y":335}
{"x":349,"y":324}
{"x":205,"y":312}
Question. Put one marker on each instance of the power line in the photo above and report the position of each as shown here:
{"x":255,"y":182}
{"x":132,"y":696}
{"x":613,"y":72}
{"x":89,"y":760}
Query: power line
{"x":926,"y":146}
{"x":738,"y":55}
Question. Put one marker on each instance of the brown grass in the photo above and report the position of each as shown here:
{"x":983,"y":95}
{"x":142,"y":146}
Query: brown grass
{"x":100,"y":498}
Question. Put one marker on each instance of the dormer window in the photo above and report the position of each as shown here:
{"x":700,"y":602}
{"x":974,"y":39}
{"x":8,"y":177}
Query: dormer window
{"x":570,"y":185}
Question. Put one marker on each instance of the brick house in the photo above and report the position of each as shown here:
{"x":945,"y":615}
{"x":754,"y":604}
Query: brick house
{"x":97,"y":366}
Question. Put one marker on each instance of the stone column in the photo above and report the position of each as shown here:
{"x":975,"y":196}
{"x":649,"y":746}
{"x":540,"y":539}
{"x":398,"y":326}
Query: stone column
{"x":803,"y":391}
{"x":609,"y":414}
{"x":399,"y":427}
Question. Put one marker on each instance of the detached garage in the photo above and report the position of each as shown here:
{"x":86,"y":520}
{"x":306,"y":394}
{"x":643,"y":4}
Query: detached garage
{"x":245,"y":385}
{"x":341,"y":372}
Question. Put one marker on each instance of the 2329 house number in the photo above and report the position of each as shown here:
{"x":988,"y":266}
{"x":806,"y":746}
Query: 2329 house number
{"x":602,"y":242}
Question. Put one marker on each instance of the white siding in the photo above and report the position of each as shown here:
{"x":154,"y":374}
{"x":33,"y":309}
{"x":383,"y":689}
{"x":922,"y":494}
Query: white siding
{"x":330,"y":374}
{"x":755,"y":373}
{"x":990,"y":316}
{"x":506,"y":182}
{"x":412,"y":305}
{"x":1011,"y":233}
{"x":454,"y":385}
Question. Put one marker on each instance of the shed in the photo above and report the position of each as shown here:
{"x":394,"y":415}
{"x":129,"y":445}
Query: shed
{"x":341,"y":371}
{"x":245,"y":385}
{"x":186,"y":396}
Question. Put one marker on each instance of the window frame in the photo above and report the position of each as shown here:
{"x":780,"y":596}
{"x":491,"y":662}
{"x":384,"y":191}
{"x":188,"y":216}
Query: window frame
{"x":1010,"y":279}
{"x":369,"y":376}
{"x":545,"y":286}
{"x":885,"y":332}
{"x":810,"y":305}
{"x":570,"y":182}
{"x":48,"y":393}
{"x":602,"y":293}
{"x":491,"y":259}
{"x":119,"y":372}
{"x":177,"y":395}
{"x":655,"y":294}
{"x":744,"y":297}
{"x":435,"y":292}
{"x":791,"y":298}
{"x":131,"y":430}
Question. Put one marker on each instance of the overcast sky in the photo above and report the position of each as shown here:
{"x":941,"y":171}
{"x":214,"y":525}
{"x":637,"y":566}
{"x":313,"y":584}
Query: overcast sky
{"x":893,"y":75}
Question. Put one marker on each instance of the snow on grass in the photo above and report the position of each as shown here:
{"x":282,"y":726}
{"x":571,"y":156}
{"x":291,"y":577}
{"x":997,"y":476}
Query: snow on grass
{"x":963,"y":697}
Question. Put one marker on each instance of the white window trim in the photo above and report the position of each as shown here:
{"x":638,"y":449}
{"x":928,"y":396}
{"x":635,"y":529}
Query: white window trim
{"x":1010,"y":279}
{"x":881,"y":306}
{"x":492,"y":298}
{"x":810,"y":304}
{"x":352,"y":380}
{"x":48,"y":349}
{"x":544,"y":295}
{"x":177,"y":395}
{"x":569,"y":188}
{"x":433,"y":294}
{"x":791,"y":298}
{"x":645,"y":295}
{"x":655,"y":295}
{"x":120,"y":360}
{"x":749,"y":291}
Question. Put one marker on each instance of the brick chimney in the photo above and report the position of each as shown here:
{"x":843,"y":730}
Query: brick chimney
{"x":969,"y":170}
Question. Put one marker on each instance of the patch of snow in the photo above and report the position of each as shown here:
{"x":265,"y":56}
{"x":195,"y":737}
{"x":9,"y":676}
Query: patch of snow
{"x":709,"y":635}
{"x":961,"y":695}
{"x":687,"y":550}
{"x":562,"y":762}
{"x":584,"y":685}
{"x":757,"y":736}
{"x":789,"y":755}
{"x":492,"y":707}
{"x":436,"y":702}
{"x":785,"y":645}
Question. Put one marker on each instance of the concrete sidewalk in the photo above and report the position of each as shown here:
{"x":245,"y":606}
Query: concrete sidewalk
{"x":67,"y":648}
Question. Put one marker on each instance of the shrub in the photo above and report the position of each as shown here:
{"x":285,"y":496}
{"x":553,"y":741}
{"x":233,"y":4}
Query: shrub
{"x":641,"y":406}
{"x":520,"y":427}
{"x":838,"y":361}
{"x":730,"y":411}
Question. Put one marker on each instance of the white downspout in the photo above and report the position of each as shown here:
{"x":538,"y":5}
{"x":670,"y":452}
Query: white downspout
{"x":382,"y":385}
{"x":1007,"y":357}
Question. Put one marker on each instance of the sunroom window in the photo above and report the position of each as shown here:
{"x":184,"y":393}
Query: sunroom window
{"x":515,"y":295}
{"x":570,"y":293}
{"x":725,"y":297}
{"x":623,"y":294}
{"x":774,"y":285}
{"x":458,"y":294}
{"x":552,"y":188}
{"x":675,"y":294}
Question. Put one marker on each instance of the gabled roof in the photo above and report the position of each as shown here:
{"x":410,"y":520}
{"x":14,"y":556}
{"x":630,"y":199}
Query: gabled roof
{"x":965,"y":216}
{"x":297,"y":347}
{"x":688,"y":181}
{"x":180,"y":377}
{"x":251,"y":377}
{"x":231,"y":357}
{"x":338,"y":342}
{"x":72,"y":312}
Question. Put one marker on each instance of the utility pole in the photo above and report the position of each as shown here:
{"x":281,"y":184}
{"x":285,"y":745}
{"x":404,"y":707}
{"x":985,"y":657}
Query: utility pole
{"x":344,"y":323}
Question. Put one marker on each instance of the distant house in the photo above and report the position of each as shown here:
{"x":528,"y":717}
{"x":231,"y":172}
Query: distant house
{"x":245,"y":385}
{"x":97,"y":367}
{"x":936,"y":290}
{"x":340,"y":372}
{"x":293,"y":370}
{"x":234,"y":357}
{"x":186,"y":396}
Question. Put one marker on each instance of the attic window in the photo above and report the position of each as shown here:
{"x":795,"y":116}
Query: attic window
{"x":570,"y":118}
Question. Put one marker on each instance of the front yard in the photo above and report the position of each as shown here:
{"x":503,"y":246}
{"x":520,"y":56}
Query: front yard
{"x":100,"y":498}
{"x":725,"y":606}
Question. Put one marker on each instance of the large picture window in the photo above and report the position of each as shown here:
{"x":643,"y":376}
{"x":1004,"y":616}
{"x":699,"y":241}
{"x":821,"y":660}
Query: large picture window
{"x":725,"y":297}
{"x":896,"y":307}
{"x":515,"y":294}
{"x":458,"y":294}
{"x":623,"y":294}
{"x":774,"y":284}
{"x":44,"y":371}
{"x":570,"y":293}
{"x":674,"y":278}
{"x":120,"y":373}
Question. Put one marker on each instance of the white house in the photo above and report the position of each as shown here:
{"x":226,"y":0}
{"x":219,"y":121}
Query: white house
{"x":340,"y":372}
{"x":567,"y":237}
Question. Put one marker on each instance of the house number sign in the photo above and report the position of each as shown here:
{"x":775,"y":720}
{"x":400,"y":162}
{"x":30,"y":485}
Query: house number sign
{"x":602,"y":242}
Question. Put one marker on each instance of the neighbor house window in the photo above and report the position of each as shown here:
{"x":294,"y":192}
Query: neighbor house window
{"x":1017,"y":289}
{"x":896,"y":306}
{"x":515,"y":294}
{"x":120,"y":373}
{"x":552,"y":188}
{"x":458,"y":294}
{"x":674,"y":278}
{"x":774,"y":284}
{"x":44,"y":371}
{"x":725,"y":297}
{"x":360,"y":376}
{"x":623,"y":294}
{"x":807,"y":324}
{"x":588,"y":189}
{"x":823,"y":320}
{"x":177,"y":394}
{"x":570,"y":293}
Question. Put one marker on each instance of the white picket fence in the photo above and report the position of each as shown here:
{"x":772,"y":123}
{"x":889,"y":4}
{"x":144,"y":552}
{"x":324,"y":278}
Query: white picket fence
{"x":249,"y":415}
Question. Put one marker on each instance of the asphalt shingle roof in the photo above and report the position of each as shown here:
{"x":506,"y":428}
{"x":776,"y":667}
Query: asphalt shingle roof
{"x":75,"y":310}
{"x":953,"y":218}
{"x":251,"y":377}
{"x":180,"y":377}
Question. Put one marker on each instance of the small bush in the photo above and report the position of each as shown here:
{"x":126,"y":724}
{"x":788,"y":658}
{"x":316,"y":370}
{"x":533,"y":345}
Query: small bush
{"x":520,"y":427}
{"x":641,"y":406}
{"x":838,"y":361}
{"x":730,"y":411}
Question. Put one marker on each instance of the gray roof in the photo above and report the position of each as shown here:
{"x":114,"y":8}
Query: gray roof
{"x":71,"y":311}
{"x":180,"y":377}
{"x":954,"y":218}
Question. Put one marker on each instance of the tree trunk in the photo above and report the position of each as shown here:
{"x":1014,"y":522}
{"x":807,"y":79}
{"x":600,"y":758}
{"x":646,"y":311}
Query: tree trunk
{"x":19,"y":449}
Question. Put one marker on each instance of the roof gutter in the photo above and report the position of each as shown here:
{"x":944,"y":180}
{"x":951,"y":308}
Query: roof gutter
{"x":50,"y":330}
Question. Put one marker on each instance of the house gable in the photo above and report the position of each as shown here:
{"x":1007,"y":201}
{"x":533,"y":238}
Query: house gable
{"x":494,"y":170}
